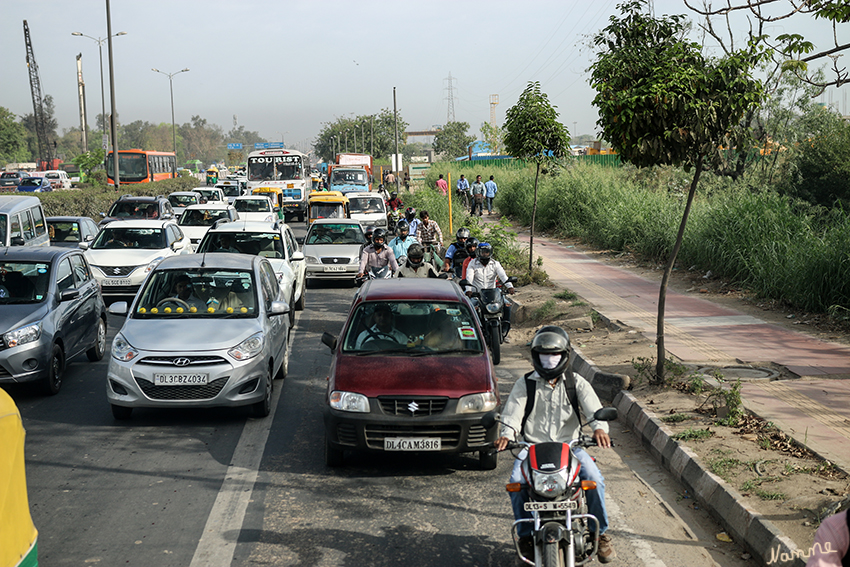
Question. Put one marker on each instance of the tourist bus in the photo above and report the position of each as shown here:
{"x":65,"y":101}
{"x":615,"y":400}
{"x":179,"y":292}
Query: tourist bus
{"x":141,"y":166}
{"x":282,"y":169}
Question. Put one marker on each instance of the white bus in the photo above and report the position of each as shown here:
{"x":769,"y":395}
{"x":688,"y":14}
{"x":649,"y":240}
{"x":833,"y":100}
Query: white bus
{"x":282,"y":170}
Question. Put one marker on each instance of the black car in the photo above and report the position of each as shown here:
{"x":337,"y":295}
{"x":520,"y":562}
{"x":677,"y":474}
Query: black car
{"x":9,"y":180}
{"x":51,"y":310}
{"x":133,"y":207}
{"x":70,"y":231}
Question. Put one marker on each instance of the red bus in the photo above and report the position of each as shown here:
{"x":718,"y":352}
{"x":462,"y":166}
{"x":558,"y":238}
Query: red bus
{"x":141,"y":166}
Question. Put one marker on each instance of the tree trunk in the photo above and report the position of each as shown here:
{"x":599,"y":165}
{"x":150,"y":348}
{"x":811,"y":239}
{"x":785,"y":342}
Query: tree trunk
{"x":662,"y":294}
{"x":533,"y":216}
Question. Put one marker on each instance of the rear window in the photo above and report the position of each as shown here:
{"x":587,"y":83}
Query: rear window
{"x":64,"y":232}
{"x":9,"y":175}
{"x":134,"y":210}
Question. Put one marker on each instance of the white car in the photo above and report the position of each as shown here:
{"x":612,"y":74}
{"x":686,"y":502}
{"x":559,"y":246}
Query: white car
{"x":211,"y":194}
{"x":369,"y":208}
{"x":125,"y":252}
{"x":196,"y":220}
{"x":58,"y":178}
{"x":274,"y":241}
{"x":255,"y":208}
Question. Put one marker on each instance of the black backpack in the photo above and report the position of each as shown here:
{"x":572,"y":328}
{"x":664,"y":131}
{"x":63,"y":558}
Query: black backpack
{"x":530,"y":386}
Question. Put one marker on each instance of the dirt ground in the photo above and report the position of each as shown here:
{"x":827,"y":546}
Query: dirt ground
{"x":781,"y":481}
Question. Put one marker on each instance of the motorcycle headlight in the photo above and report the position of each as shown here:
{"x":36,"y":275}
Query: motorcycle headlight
{"x":23,"y":335}
{"x":249,"y":348}
{"x":477,"y":403}
{"x":493,"y":308}
{"x":311,"y":259}
{"x":550,"y":485}
{"x":122,"y":350}
{"x":349,"y":401}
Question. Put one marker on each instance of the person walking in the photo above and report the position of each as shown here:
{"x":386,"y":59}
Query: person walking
{"x":442,"y":185}
{"x":490,"y":190}
{"x":478,"y":191}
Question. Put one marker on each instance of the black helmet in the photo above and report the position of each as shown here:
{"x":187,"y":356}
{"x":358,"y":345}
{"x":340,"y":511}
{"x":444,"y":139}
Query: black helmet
{"x":550,"y":340}
{"x":462,"y":232}
{"x":415,"y":254}
{"x":368,"y":233}
{"x":379,"y":233}
{"x":402,"y":227}
{"x":484,"y":252}
{"x":393,"y":195}
{"x":471,"y":245}
{"x":410,"y":213}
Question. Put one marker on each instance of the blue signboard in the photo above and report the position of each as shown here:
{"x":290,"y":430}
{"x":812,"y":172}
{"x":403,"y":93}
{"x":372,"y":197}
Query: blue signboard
{"x":234,"y":146}
{"x":268,"y":146}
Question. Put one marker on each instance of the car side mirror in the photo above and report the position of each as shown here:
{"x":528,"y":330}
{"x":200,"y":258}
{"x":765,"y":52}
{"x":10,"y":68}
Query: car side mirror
{"x":68,"y":295}
{"x":83,"y":245}
{"x":89,"y":237}
{"x":278,"y":308}
{"x":329,"y":340}
{"x":17,"y":241}
{"x":103,"y":215}
{"x":117,"y":308}
{"x":606,"y":414}
{"x":297,"y":256}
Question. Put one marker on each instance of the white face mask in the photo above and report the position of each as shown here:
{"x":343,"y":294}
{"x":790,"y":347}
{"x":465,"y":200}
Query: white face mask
{"x":550,"y":361}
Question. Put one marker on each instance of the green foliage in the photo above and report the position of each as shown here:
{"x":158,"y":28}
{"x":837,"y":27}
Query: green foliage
{"x":493,"y":136}
{"x":90,"y":160}
{"x":378,"y":127}
{"x":675,"y":418}
{"x":13,"y":138}
{"x":532,"y":130}
{"x":452,"y":140}
{"x":566,"y":295}
{"x":545,"y":311}
{"x":692,"y":434}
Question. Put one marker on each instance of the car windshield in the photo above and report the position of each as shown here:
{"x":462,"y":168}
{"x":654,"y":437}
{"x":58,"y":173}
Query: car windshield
{"x":326,"y":211}
{"x":134,"y":210}
{"x":252,"y":205}
{"x":349,"y":177}
{"x":366,"y":205}
{"x":146,"y":238}
{"x":266,"y":244}
{"x":203,"y":217}
{"x":183,"y":200}
{"x":195,"y":293}
{"x":4,"y":222}
{"x":335,"y":234}
{"x":23,"y":282}
{"x":63,"y":231}
{"x":209,"y":194}
{"x":31,"y":182}
{"x":416,"y":328}
{"x":230,"y":190}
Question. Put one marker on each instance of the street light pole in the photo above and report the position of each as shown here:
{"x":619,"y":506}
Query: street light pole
{"x":99,"y":42}
{"x":171,"y":88}
{"x":113,"y":127}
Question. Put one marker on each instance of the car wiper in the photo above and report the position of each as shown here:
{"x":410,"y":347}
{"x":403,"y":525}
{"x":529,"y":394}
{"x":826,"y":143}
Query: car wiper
{"x":450,"y":351}
{"x":385,"y":351}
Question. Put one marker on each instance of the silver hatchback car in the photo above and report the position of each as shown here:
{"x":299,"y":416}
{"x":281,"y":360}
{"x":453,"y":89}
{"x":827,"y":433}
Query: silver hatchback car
{"x":203,"y":331}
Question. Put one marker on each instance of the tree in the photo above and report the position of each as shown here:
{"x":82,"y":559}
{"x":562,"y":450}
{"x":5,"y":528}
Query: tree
{"x":50,"y":125}
{"x":452,"y":140}
{"x":376,"y":130}
{"x":201,"y":141}
{"x":87,"y":161}
{"x":533,"y":133}
{"x":493,"y":136}
{"x":13,"y":138}
{"x":661,"y":102}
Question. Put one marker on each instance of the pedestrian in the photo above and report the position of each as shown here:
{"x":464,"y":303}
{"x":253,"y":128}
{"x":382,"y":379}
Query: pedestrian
{"x":478,"y":191}
{"x":406,"y":181}
{"x":442,"y":185}
{"x":390,"y":179}
{"x":490,"y":190}
{"x":831,"y":547}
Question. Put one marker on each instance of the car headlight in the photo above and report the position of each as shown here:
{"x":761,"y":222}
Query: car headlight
{"x":122,"y":350}
{"x":23,"y":335}
{"x":493,"y":307}
{"x":349,"y":401}
{"x":477,"y":403}
{"x":269,"y":218}
{"x":153,"y":263}
{"x":311,"y":259}
{"x":249,"y":348}
{"x":354,"y":260}
{"x":550,"y":485}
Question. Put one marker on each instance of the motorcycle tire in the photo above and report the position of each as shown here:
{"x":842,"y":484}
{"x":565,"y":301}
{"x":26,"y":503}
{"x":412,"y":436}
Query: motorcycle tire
{"x":495,"y":343}
{"x":552,"y":555}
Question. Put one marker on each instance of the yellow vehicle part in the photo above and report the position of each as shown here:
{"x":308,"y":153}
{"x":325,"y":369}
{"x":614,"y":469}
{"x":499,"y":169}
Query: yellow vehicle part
{"x":18,"y":536}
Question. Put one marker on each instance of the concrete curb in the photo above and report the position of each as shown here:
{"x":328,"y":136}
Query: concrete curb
{"x":758,"y":534}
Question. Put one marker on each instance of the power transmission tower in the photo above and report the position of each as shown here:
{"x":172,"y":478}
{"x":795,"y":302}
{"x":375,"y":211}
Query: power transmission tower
{"x":494,"y":102}
{"x":450,"y":115}
{"x":44,"y":150}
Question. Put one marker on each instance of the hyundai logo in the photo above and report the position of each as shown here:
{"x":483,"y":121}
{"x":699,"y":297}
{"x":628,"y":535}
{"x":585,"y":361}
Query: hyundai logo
{"x":181,"y":362}
{"x":413,"y":406}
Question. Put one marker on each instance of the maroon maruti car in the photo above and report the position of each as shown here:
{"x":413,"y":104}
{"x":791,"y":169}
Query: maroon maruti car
{"x":410,"y":372}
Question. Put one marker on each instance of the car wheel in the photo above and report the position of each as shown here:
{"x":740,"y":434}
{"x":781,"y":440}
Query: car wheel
{"x":292,"y":308}
{"x":53,"y":382}
{"x":486,"y":461}
{"x":299,"y":305}
{"x":121,"y":412}
{"x":334,"y":456}
{"x":96,"y":352}
{"x":264,"y":407}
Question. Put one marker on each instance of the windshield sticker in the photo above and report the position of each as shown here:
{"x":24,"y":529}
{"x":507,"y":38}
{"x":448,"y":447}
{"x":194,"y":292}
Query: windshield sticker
{"x":467,"y":333}
{"x":454,"y":312}
{"x":42,"y":270}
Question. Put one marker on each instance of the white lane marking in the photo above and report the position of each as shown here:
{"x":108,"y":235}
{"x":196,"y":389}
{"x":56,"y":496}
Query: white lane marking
{"x":643,"y":549}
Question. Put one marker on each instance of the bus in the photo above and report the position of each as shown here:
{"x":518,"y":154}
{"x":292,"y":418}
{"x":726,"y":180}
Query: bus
{"x":284,"y":170}
{"x":141,"y":166}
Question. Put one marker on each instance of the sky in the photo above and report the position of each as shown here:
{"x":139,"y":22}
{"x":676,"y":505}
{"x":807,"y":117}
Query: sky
{"x":284,"y":68}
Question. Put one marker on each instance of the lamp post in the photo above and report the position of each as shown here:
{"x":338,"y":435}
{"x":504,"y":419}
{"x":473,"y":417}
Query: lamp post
{"x":171,"y":87}
{"x":100,"y":42}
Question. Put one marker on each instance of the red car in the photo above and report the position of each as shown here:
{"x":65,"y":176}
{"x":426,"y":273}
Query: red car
{"x":410,"y":372}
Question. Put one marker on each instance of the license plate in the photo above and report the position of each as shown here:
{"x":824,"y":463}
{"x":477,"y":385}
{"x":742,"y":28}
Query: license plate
{"x":116,"y":281}
{"x":550,"y":506}
{"x":334,"y":268}
{"x":411,"y":444}
{"x":180,"y":379}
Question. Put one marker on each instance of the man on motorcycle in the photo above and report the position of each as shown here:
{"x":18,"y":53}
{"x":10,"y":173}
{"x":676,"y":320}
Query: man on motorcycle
{"x":402,"y":241}
{"x":410,"y":217}
{"x":394,"y":203}
{"x":456,"y":253}
{"x":377,"y":255}
{"x":471,"y":251}
{"x":484,"y":272}
{"x":428,"y":233}
{"x":556,"y":395}
{"x":415,"y":266}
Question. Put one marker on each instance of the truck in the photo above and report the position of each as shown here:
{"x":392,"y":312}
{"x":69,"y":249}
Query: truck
{"x":364,"y":160}
{"x":348,"y":178}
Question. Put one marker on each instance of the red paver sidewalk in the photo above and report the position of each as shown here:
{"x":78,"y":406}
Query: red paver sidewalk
{"x":815,"y":410}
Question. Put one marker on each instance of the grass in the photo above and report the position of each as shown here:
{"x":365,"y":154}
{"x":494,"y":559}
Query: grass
{"x":767,"y":495}
{"x":722,"y":465}
{"x":692,"y":434}
{"x":753,"y":483}
{"x":675,"y":418}
{"x":545,"y":311}
{"x":566,"y":295}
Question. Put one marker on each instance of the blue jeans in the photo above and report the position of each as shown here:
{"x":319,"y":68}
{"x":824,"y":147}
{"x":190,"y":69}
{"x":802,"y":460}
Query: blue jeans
{"x":489,"y":204}
{"x":595,"y":498}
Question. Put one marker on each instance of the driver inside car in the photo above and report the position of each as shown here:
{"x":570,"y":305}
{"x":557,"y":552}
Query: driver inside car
{"x":383,"y":328}
{"x":184,"y":291}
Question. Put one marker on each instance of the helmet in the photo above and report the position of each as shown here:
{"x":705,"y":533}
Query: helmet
{"x":410,"y":213}
{"x":379,"y":233}
{"x":402,"y":227}
{"x":471,"y":245}
{"x":462,"y":232}
{"x":368,"y":233}
{"x":484,"y":252}
{"x":393,"y":195}
{"x":415,"y":254}
{"x":550,"y":340}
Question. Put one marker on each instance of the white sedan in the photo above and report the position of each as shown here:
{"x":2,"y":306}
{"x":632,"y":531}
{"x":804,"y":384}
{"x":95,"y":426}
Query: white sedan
{"x":196,"y":220}
{"x":255,"y":208}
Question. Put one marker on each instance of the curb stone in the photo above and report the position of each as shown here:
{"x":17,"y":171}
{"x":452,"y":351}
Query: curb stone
{"x":758,"y":534}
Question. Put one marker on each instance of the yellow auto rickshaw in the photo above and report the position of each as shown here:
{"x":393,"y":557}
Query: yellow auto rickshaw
{"x":212,"y":176}
{"x":327,"y":205}
{"x":18,"y":536}
{"x":275,"y":194}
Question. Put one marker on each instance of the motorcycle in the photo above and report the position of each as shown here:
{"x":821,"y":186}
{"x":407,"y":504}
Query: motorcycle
{"x":375,"y":273}
{"x":563,"y":532}
{"x":393,"y":216}
{"x":491,"y":311}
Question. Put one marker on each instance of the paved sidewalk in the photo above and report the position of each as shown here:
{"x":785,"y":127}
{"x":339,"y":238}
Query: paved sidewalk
{"x":814,"y":409}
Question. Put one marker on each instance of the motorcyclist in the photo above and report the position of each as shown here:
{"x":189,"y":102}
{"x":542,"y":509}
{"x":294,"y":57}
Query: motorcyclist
{"x":402,"y":241}
{"x":559,"y":393}
{"x":394,"y":203}
{"x":483,"y":273}
{"x":471,"y":251}
{"x":415,"y":266}
{"x":368,"y":234}
{"x":377,"y":254}
{"x":429,"y":234}
{"x":410,"y":217}
{"x":383,"y":192}
{"x":456,"y":253}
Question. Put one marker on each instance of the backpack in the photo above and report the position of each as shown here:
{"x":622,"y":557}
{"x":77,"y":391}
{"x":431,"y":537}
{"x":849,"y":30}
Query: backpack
{"x":530,"y":387}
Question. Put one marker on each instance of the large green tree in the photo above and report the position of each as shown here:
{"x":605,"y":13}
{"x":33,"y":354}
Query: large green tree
{"x":50,"y":125}
{"x":533,"y":133}
{"x":493,"y":136}
{"x":662,"y":102}
{"x":368,"y":131}
{"x":452,"y":140}
{"x":201,"y":140}
{"x":13,"y":138}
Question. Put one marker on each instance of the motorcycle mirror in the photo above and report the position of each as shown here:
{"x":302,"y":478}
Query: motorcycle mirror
{"x":330,"y":340}
{"x":463,"y":282}
{"x":490,"y":419}
{"x":606,"y":414}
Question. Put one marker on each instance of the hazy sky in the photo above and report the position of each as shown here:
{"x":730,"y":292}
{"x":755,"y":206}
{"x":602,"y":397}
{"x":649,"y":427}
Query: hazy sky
{"x":284,"y":67}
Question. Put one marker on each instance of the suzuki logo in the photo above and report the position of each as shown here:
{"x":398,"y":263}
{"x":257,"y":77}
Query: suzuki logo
{"x":413,"y":406}
{"x":116,"y":271}
{"x":181,"y":362}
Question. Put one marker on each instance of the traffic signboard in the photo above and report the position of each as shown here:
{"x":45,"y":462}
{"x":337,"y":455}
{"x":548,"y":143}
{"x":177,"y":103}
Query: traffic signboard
{"x":234,"y":146}
{"x":268,"y":146}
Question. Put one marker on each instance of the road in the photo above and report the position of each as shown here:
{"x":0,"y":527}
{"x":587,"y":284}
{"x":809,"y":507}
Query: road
{"x":215,"y":487}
